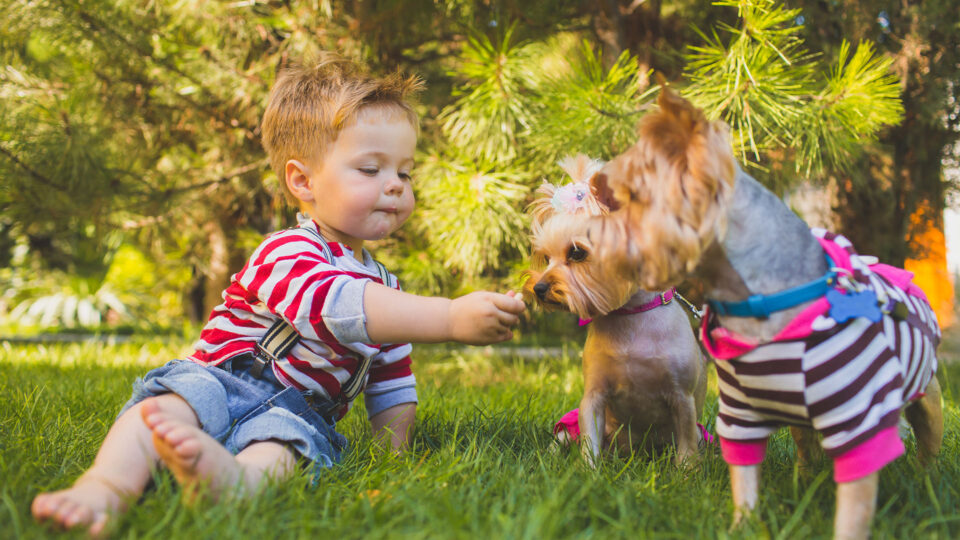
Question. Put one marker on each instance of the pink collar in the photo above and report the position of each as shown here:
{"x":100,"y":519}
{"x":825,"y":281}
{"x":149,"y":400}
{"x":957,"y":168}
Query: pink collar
{"x":661,"y":300}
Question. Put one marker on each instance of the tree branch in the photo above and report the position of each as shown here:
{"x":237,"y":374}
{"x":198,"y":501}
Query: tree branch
{"x":169,"y":193}
{"x":226,"y":177}
{"x":33,"y":173}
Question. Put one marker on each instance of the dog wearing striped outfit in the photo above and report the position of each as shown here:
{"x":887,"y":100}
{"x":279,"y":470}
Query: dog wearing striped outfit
{"x":804,"y":331}
{"x":645,"y":377}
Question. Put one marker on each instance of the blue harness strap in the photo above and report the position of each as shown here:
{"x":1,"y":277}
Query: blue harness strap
{"x":762,"y":305}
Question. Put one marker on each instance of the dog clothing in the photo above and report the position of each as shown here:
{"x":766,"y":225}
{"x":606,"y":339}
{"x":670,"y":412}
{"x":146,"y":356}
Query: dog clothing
{"x":291,"y":275}
{"x":848,"y":379}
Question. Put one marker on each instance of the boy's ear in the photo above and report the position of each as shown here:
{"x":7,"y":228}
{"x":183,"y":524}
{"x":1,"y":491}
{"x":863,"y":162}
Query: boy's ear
{"x":298,"y":180}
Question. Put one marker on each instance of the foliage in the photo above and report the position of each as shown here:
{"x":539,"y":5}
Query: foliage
{"x":482,"y":465}
{"x":471,"y":214}
{"x":896,"y":187}
{"x":587,"y":106}
{"x":132,"y":294}
{"x":492,"y":112}
{"x":769,"y":88}
{"x":132,"y":123}
{"x":71,"y":306}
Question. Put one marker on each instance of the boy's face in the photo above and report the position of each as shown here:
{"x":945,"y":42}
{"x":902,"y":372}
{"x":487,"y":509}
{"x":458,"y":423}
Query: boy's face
{"x":360,"y":188}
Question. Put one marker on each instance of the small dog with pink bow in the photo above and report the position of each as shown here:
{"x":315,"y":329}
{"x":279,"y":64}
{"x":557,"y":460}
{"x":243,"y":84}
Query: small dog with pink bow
{"x":644,"y":375}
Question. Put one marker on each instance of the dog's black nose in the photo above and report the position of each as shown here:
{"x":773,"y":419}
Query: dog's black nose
{"x":541,"y":289}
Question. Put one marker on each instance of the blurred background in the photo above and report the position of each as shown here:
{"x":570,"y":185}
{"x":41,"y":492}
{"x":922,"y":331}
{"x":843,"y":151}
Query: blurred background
{"x":133,"y":182}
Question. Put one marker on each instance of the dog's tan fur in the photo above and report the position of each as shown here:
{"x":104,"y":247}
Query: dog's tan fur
{"x":644,"y":374}
{"x":672,"y":201}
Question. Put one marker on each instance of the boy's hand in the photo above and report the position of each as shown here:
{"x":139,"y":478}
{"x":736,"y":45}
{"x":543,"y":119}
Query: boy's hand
{"x":482,"y":318}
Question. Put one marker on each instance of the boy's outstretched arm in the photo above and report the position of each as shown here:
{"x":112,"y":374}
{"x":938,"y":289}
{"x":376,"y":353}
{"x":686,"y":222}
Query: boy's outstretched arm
{"x":479,"y":318}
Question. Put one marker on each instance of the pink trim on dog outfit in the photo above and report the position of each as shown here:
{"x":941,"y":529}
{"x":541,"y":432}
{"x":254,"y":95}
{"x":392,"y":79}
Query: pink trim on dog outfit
{"x":863,"y":460}
{"x":869,"y":457}
{"x":570,"y":423}
{"x":847,"y":380}
{"x":743,"y":452}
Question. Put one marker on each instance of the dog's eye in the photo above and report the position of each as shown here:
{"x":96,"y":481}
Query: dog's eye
{"x":576,"y":253}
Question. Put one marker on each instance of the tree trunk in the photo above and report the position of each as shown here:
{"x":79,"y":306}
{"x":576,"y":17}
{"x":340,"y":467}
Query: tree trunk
{"x":217,"y":273}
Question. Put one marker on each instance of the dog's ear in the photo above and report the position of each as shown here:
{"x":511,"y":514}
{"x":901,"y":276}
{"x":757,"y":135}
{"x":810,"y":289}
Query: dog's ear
{"x":602,"y":192}
{"x":679,"y":110}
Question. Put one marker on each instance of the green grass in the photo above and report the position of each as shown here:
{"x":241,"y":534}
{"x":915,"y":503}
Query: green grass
{"x":481,"y":466}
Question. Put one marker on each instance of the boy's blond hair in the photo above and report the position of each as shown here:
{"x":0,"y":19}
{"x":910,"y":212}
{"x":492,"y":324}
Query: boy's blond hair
{"x":310,"y":103}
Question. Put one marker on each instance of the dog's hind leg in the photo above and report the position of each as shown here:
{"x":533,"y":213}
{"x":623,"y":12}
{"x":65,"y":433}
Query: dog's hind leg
{"x":926,"y":418}
{"x":856,"y":504}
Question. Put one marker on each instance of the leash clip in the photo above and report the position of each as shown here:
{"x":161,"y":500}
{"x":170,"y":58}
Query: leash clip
{"x":850,"y":285}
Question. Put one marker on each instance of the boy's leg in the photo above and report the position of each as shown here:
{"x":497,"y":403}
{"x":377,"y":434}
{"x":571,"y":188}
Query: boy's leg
{"x":120,"y":471}
{"x":197,"y":459}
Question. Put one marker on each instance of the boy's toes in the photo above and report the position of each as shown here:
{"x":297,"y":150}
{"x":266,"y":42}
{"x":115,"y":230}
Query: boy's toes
{"x":161,"y":426}
{"x":98,"y":524}
{"x":85,"y":504}
{"x":40,"y":506}
{"x":48,"y":505}
{"x":74,"y":515}
{"x":60,"y":510}
{"x":179,"y":439}
{"x":69,"y":514}
{"x":149,"y":407}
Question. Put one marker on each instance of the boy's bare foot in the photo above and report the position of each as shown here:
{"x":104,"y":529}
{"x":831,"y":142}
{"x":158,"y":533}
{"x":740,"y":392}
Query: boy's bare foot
{"x":195,"y":458}
{"x":87,"y":503}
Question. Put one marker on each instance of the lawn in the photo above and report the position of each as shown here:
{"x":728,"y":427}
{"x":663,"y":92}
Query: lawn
{"x":482,"y":465}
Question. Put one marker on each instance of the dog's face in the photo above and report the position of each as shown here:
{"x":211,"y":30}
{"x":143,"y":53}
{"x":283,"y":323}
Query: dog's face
{"x":669,"y":192}
{"x":569,"y":274}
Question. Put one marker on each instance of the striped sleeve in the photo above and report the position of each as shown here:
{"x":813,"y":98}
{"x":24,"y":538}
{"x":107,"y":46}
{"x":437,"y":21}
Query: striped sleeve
{"x":391,"y":379}
{"x":290,"y":275}
{"x":391,"y":365}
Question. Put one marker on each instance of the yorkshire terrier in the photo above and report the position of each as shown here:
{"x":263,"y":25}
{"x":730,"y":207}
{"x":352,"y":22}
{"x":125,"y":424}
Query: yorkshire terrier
{"x":804,"y":331}
{"x":644,"y":374}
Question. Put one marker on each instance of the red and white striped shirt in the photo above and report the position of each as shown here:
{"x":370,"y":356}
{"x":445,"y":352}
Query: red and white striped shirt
{"x":289,"y":276}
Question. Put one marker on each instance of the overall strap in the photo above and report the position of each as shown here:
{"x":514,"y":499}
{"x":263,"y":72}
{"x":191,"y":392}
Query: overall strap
{"x":281,"y":338}
{"x":277,"y":343}
{"x":381,"y":269}
{"x":323,"y":243}
{"x":384,"y":275}
{"x":274,"y":345}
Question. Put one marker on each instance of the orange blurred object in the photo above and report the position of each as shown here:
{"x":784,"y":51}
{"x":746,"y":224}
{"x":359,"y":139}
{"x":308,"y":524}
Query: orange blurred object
{"x":930,"y":272}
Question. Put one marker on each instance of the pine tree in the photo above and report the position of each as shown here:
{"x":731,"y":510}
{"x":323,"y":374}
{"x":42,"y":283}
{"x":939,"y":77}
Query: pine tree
{"x":531,"y":103}
{"x":137,"y":124}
